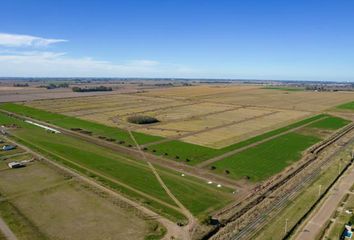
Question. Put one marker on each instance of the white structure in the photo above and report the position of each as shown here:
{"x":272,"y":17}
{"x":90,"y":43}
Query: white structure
{"x":42,"y":126}
{"x":15,"y":165}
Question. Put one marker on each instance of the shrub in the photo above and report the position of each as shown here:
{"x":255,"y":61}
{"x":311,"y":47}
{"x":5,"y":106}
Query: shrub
{"x":139,"y":119}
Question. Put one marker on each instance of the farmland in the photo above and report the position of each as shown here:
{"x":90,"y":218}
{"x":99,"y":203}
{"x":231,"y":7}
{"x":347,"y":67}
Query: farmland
{"x":29,"y":204}
{"x":128,"y":176}
{"x":217,"y":141}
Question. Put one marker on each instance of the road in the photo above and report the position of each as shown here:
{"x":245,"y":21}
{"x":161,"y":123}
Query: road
{"x":320,"y":217}
{"x":6,"y":231}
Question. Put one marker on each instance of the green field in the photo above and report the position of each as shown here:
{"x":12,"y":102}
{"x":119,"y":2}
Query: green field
{"x":347,"y":106}
{"x":72,"y":123}
{"x":266,"y":159}
{"x":331,"y":123}
{"x":117,"y":171}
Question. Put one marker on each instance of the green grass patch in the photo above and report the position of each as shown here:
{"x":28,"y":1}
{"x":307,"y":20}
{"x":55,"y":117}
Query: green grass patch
{"x":71,"y":123}
{"x":266,"y":159}
{"x":19,"y":224}
{"x":331,"y":123}
{"x":90,"y":159}
{"x":347,"y":106}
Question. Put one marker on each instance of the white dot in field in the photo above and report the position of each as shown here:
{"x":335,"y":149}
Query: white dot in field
{"x":210,"y":182}
{"x":219,"y":185}
{"x":182,"y":174}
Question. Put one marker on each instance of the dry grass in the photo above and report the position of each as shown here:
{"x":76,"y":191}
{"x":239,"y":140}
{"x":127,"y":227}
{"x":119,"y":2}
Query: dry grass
{"x":225,"y":136}
{"x":61,"y":208}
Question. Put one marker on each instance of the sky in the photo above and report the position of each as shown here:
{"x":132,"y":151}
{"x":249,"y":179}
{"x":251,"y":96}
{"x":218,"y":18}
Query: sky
{"x":248,"y":39}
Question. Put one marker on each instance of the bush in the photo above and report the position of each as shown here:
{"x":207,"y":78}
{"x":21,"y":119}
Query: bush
{"x":142,"y":119}
{"x":212,"y":167}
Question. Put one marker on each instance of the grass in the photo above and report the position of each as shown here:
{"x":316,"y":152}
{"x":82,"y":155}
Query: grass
{"x":72,"y":122}
{"x":331,"y":123}
{"x":347,"y":106}
{"x":109,"y":167}
{"x":266,"y":159}
{"x":297,"y":207}
{"x":18,"y":223}
{"x":341,"y":219}
{"x":193,"y":154}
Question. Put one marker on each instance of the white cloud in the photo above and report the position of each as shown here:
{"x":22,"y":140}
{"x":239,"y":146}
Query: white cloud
{"x":16,"y":40}
{"x":58,"y":64}
{"x":41,"y":63}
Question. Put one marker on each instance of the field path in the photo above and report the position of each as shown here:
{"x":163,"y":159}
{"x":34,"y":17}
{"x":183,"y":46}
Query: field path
{"x":321,"y":215}
{"x":6,"y":230}
{"x":225,"y":155}
{"x":207,"y":129}
{"x":191,"y":220}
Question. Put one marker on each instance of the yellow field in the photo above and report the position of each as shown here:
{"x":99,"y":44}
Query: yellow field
{"x":225,"y":136}
{"x":209,"y":115}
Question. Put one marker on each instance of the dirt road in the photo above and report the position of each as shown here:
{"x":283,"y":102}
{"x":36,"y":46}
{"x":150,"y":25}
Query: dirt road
{"x":320,"y":217}
{"x":6,"y":231}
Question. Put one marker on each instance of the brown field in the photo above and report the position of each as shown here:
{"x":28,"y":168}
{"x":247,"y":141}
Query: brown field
{"x":209,"y":115}
{"x":59,"y":207}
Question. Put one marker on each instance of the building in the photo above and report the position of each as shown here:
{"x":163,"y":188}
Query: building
{"x":347,"y":233}
{"x":15,"y":165}
{"x":8,"y":147}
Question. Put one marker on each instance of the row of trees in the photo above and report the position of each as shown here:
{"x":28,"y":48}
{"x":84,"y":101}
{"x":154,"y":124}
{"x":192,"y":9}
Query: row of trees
{"x":92,"y":89}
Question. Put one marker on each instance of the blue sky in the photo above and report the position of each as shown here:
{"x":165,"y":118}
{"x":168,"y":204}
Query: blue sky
{"x":257,"y":39}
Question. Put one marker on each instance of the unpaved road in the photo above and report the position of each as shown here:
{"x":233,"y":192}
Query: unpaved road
{"x":6,"y":231}
{"x":320,"y":217}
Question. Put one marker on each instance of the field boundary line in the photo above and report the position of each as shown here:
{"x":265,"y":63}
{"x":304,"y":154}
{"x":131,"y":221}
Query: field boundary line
{"x":176,"y":137}
{"x":230,"y":153}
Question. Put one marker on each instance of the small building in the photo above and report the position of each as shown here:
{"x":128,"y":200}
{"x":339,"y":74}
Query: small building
{"x":8,"y":147}
{"x":15,"y":165}
{"x":347,"y":233}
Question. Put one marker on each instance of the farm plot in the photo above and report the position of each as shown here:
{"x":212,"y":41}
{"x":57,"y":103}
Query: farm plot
{"x":199,"y":123}
{"x":29,"y":205}
{"x":122,"y":104}
{"x":68,"y":122}
{"x":262,"y":161}
{"x":294,"y":100}
{"x":194,"y":154}
{"x":131,"y":177}
{"x":195,"y":92}
{"x":266,"y":159}
{"x":347,"y":106}
{"x":257,"y":124}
